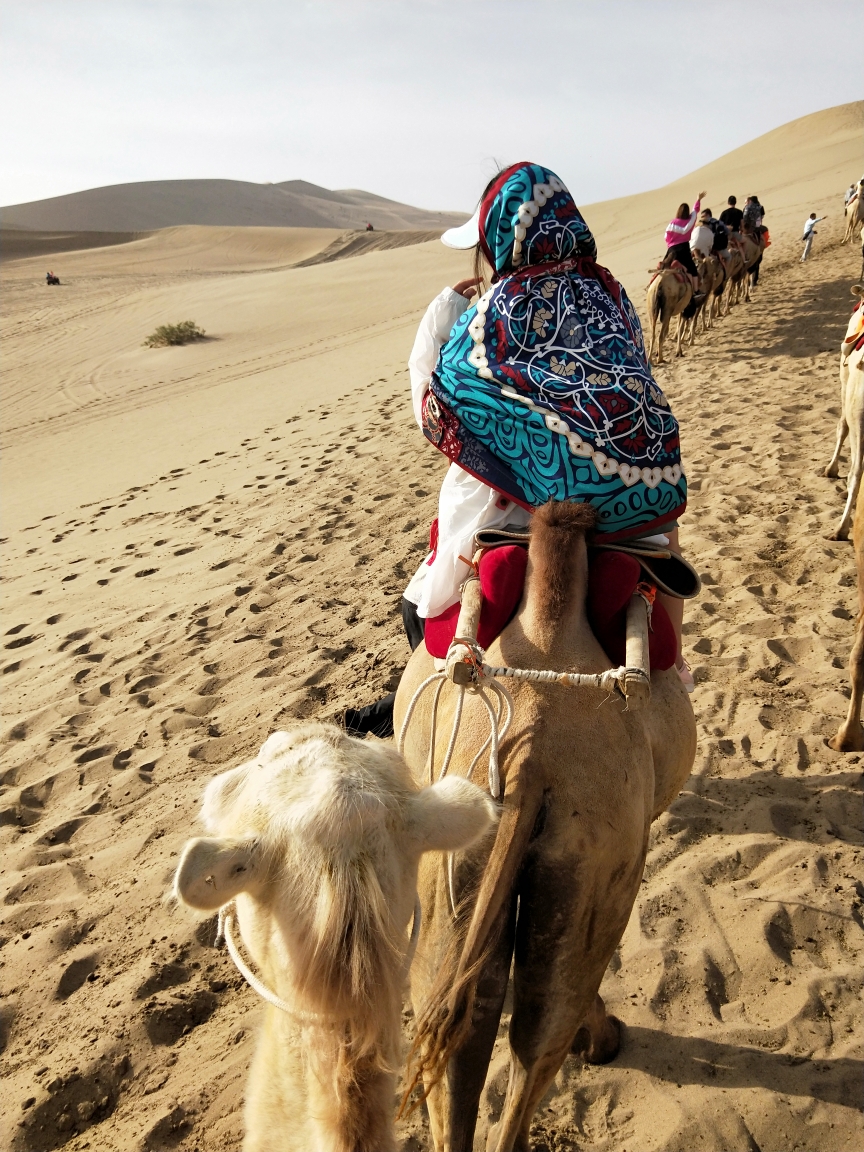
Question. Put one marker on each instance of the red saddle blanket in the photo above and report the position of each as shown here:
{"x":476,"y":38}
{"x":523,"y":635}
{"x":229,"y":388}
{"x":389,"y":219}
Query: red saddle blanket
{"x":612,"y":580}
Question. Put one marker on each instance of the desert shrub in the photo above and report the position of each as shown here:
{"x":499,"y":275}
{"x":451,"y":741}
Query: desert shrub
{"x":181,"y":333}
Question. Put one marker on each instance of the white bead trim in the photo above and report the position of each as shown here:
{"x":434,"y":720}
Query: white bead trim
{"x":604,"y":464}
{"x":529,"y":210}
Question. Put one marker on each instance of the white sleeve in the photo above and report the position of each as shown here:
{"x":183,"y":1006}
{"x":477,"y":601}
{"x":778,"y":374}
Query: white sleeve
{"x":433,"y":333}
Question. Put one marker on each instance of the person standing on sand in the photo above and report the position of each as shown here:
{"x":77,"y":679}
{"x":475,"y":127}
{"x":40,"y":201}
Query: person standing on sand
{"x":547,"y":364}
{"x":678,"y":233}
{"x":809,"y":232}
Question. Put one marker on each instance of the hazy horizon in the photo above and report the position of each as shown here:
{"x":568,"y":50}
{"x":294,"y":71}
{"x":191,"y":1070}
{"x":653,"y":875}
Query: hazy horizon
{"x":417,"y":103}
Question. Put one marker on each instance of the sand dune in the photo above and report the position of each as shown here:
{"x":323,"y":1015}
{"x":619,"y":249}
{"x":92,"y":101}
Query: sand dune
{"x":152,"y":204}
{"x":207,"y":542}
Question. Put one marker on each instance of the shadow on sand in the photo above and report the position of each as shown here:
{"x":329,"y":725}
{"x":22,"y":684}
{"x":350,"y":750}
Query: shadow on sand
{"x":693,"y":1060}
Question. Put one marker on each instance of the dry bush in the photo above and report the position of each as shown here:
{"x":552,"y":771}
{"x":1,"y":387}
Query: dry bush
{"x":182,"y":333}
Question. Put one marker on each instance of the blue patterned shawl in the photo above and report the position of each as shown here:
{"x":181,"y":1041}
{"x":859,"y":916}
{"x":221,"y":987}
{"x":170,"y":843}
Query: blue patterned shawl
{"x":544,"y":391}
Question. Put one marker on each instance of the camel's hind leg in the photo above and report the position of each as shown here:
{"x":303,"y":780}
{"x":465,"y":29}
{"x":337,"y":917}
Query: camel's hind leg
{"x":833,"y":468}
{"x":853,"y":483}
{"x":562,"y":950}
{"x":850,"y":736}
{"x":679,"y":336}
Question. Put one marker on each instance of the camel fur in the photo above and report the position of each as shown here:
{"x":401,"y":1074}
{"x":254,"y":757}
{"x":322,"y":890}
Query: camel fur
{"x":582,"y":780}
{"x":711,"y":278}
{"x":851,"y":421}
{"x":318,"y":841}
{"x":669,"y":293}
{"x":742,"y":256}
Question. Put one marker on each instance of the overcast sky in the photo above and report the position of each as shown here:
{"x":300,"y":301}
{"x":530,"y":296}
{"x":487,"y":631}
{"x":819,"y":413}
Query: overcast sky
{"x":412,"y":99}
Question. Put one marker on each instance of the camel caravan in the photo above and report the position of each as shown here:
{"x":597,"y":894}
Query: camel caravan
{"x":710,"y":264}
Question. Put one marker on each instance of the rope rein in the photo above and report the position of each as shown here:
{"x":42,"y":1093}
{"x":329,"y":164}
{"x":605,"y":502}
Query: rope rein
{"x":225,"y":932}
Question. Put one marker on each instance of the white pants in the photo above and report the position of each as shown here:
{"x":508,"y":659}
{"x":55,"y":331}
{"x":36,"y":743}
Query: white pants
{"x":808,"y":244}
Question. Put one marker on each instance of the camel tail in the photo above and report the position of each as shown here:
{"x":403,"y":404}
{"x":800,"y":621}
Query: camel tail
{"x":445,"y":1020}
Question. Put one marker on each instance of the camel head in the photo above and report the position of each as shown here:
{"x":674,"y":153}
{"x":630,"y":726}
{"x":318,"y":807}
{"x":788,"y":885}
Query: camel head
{"x":318,"y":841}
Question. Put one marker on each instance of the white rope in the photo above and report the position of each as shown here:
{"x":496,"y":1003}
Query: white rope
{"x":457,"y":721}
{"x":225,"y":932}
{"x":400,"y":743}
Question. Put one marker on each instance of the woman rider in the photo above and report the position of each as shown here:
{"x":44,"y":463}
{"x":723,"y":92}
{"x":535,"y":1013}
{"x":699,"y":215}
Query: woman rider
{"x":678,"y":232}
{"x":541,"y":390}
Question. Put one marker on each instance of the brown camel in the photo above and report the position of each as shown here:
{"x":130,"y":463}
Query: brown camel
{"x":752,"y":248}
{"x":737,"y":280}
{"x":854,"y":213}
{"x":669,"y":293}
{"x":314,"y":847}
{"x":711,"y":277}
{"x":582,"y":780}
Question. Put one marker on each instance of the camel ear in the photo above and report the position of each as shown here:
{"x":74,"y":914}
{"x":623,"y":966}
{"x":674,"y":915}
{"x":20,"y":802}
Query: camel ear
{"x":212,"y":872}
{"x":451,"y":814}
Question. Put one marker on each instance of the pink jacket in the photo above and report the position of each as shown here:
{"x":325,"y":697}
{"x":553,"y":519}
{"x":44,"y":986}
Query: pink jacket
{"x":679,"y":229}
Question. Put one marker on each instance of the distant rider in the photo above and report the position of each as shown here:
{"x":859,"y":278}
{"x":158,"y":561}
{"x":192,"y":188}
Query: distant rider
{"x":731,"y":216}
{"x":678,"y":232}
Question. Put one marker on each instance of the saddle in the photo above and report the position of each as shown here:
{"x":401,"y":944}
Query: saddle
{"x":676,"y":267}
{"x":615,"y":573}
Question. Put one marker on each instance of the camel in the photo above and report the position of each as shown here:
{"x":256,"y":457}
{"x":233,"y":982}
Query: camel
{"x":582,"y":779}
{"x":711,"y":279}
{"x":851,"y":420}
{"x":737,"y":267}
{"x":318,"y":840}
{"x":854,"y":213}
{"x":669,"y":293}
{"x":751,"y":251}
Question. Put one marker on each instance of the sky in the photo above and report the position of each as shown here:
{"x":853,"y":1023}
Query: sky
{"x":416,"y":100}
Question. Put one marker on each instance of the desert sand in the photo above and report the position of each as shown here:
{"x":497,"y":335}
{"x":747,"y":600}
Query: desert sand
{"x":204,"y":543}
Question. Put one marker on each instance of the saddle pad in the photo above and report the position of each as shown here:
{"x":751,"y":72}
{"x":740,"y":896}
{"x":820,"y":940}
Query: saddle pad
{"x":612,"y":580}
{"x":502,"y":578}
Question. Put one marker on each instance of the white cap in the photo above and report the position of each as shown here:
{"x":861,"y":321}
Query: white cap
{"x":467,"y":235}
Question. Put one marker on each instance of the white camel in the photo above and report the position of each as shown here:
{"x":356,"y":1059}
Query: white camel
{"x":851,"y":421}
{"x":313,"y":849}
{"x":854,"y":213}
